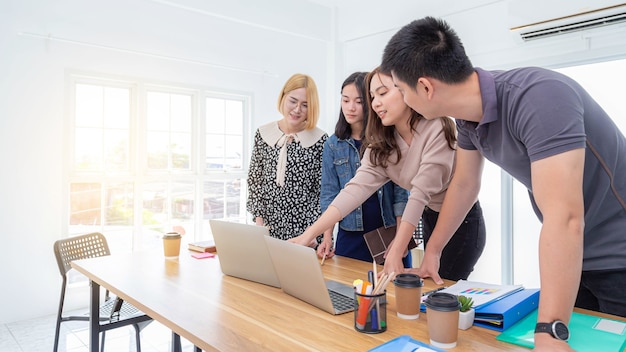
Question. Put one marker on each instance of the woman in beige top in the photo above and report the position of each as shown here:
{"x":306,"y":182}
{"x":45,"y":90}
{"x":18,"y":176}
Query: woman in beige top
{"x":418,"y":155}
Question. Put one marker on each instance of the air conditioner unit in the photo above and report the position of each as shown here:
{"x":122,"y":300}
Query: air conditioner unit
{"x":608,"y":16}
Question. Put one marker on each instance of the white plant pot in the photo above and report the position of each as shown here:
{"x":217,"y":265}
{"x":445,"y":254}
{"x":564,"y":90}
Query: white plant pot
{"x":466,"y":319}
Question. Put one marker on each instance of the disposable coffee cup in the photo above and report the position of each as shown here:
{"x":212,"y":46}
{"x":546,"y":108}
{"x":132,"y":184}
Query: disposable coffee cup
{"x":408,"y":288}
{"x":442,"y":313}
{"x":171,"y":245}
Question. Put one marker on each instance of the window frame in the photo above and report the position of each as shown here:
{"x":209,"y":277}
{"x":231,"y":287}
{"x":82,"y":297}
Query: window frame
{"x":138,"y":174}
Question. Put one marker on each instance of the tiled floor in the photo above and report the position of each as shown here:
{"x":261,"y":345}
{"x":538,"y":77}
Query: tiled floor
{"x":37,"y":335}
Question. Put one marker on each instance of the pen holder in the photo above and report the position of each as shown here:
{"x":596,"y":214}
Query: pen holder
{"x":370,"y":313}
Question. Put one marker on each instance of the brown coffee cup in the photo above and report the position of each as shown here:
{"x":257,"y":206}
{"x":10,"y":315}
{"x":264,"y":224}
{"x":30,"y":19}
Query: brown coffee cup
{"x":442,"y":313}
{"x":171,"y":245}
{"x":408,"y":289}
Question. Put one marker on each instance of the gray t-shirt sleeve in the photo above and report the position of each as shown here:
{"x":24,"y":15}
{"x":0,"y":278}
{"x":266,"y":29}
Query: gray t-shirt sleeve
{"x":549,"y":119}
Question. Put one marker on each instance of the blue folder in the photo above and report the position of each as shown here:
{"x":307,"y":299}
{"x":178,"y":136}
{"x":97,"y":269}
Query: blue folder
{"x":588,"y":333}
{"x":405,"y":343}
{"x":501,"y":314}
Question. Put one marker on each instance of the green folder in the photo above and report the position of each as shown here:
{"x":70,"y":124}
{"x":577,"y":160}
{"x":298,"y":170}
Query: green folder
{"x":587,"y":333}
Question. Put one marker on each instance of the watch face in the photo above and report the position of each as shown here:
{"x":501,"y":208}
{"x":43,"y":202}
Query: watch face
{"x":560,"y":331}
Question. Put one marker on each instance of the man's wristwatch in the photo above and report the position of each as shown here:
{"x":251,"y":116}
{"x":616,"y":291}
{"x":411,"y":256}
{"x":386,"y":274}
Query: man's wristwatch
{"x":557,"y":329}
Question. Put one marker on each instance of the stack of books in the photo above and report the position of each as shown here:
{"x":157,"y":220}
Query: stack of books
{"x":202,"y":246}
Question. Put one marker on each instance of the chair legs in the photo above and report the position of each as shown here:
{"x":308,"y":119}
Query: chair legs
{"x":57,"y":332}
{"x":138,"y":327}
{"x":102,"y":335}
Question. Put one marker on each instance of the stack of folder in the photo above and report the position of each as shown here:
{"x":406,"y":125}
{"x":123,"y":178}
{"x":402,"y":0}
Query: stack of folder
{"x":501,"y":314}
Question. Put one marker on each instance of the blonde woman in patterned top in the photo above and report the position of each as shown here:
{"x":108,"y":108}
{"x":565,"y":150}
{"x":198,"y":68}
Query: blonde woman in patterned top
{"x":284,"y":177}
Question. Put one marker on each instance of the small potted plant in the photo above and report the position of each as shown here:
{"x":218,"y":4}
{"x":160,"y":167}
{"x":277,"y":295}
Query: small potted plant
{"x":466,"y":316}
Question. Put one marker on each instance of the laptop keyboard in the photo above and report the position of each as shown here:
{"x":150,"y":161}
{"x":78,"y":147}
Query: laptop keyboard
{"x":341,"y":302}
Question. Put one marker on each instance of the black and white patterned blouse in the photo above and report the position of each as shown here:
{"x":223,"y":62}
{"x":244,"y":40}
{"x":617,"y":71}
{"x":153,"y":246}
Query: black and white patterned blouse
{"x":289,"y":209}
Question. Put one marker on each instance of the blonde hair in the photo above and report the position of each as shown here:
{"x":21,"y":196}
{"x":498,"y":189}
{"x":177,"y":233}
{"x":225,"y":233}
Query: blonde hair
{"x":300,"y":80}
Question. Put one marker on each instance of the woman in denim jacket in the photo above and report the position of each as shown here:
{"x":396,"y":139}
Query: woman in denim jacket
{"x":340,"y":160}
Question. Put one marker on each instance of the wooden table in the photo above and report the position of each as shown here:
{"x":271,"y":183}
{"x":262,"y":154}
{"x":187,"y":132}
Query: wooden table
{"x":221,"y":313}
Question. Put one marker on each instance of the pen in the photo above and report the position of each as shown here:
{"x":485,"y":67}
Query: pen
{"x":375,"y":270}
{"x":375,"y":323}
{"x":433,"y":291}
{"x":374,"y":317}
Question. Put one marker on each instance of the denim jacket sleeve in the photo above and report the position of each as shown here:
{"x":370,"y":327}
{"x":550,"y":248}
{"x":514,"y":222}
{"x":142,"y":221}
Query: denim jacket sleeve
{"x":330,"y":181}
{"x":400,"y":198}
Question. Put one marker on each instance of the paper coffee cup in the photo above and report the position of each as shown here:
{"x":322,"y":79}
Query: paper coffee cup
{"x":442,"y":311}
{"x":171,"y":245}
{"x":408,"y":289}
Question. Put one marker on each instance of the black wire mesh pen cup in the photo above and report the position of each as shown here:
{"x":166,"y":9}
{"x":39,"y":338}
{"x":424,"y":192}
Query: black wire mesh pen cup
{"x":370,"y":312}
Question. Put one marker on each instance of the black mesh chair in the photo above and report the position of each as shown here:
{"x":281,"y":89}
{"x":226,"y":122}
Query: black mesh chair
{"x":114,"y":312}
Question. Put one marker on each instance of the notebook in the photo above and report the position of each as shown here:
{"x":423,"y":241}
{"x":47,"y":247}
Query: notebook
{"x":587,"y":333}
{"x":301,"y":276}
{"x":242,"y":251}
{"x":379,"y":240}
{"x":482,"y":293}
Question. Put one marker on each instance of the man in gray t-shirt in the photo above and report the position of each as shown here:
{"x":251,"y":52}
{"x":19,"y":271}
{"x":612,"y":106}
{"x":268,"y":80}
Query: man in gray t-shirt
{"x":548,"y":133}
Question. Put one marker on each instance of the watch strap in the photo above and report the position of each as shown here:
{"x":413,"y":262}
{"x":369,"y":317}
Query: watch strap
{"x":556,"y":329}
{"x":544,"y":327}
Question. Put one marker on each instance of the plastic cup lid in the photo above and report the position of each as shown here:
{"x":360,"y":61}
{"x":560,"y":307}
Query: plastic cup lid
{"x":408,"y":280}
{"x":171,"y":235}
{"x":443,"y":302}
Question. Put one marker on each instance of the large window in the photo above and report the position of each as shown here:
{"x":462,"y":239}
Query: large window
{"x":146,"y":159}
{"x":603,"y":80}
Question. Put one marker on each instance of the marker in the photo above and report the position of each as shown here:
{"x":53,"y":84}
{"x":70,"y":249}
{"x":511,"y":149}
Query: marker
{"x":364,"y":305}
{"x":358,"y":286}
{"x":361,"y":317}
{"x":374,"y":316}
{"x":367,"y":288}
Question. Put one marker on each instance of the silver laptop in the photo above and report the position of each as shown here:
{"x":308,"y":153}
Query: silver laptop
{"x":301,"y":276}
{"x":242,"y":251}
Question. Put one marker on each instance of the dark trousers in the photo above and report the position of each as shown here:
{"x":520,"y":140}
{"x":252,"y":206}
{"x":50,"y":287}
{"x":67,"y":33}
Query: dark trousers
{"x":464,"y":248}
{"x":603,"y":291}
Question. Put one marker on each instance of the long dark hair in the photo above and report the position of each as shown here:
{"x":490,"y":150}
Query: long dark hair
{"x":381,"y":139}
{"x":343,"y":130}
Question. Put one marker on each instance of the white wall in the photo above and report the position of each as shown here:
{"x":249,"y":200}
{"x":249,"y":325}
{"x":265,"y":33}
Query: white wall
{"x":238,"y":46}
